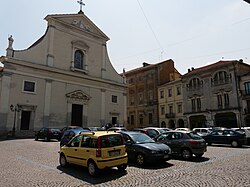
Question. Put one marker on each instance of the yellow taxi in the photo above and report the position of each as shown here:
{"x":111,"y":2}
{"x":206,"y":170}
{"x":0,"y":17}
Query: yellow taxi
{"x":95,"y":150}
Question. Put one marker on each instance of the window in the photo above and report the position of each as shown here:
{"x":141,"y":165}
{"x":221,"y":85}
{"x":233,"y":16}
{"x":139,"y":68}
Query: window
{"x":150,"y":118}
{"x":162,"y":94}
{"x":79,"y":59}
{"x":114,"y":99}
{"x":141,"y":119}
{"x":132,"y":120}
{"x":169,"y":92}
{"x":171,"y":111}
{"x":193,"y":104}
{"x":219,"y":100}
{"x":226,"y":99}
{"x":195,"y":83}
{"x":198,"y":103}
{"x":247,"y":88}
{"x":150,"y":95}
{"x":178,"y":90}
{"x":221,"y":78}
{"x":140,"y":98}
{"x":132,"y":99}
{"x":179,"y":108}
{"x":29,"y":86}
{"x":162,"y":110}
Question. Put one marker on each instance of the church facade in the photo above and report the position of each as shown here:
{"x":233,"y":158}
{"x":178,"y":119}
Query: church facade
{"x":64,"y":78}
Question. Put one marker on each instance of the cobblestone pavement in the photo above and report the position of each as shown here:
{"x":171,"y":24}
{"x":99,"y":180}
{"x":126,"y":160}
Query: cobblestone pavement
{"x":25,"y":162}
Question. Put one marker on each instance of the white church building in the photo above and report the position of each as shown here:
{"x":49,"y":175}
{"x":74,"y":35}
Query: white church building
{"x":64,"y":78}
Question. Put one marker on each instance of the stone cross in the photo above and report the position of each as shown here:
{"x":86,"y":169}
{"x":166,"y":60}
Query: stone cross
{"x":81,"y":3}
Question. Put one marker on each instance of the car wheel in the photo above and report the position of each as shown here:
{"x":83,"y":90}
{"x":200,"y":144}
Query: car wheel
{"x":46,"y":139}
{"x":234,"y":143}
{"x":186,"y":154}
{"x":209,"y":143}
{"x":63,"y":160}
{"x":122,"y":167}
{"x":92,"y":169}
{"x":36,"y":138}
{"x":199,"y":155}
{"x":140,"y":160}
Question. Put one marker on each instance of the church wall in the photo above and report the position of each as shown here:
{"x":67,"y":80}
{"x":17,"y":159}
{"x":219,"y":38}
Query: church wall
{"x":36,"y":54}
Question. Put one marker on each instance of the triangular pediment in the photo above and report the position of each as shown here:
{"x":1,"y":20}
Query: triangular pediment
{"x":78,"y":94}
{"x":78,"y":21}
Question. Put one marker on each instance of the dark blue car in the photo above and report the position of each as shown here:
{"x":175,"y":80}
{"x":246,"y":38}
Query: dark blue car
{"x":69,"y":134}
{"x":143,"y":149}
{"x":225,"y":136}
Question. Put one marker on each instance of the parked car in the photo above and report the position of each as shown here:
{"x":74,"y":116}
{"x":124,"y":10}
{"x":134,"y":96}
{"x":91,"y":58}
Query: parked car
{"x":226,"y":136}
{"x":183,"y":143}
{"x":182,"y":129}
{"x":202,"y":131}
{"x":143,"y":149}
{"x":246,"y":131}
{"x":70,"y":127}
{"x":48,"y":133}
{"x":117,"y":129}
{"x":94,"y":128}
{"x":95,"y":150}
{"x":152,"y":132}
{"x":69,"y":134}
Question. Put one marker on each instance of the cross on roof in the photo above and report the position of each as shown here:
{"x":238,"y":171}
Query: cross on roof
{"x":81,"y":3}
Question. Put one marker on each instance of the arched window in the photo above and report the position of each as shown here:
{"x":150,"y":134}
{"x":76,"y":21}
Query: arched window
{"x":79,"y":59}
{"x":195,"y":83}
{"x":221,"y":77}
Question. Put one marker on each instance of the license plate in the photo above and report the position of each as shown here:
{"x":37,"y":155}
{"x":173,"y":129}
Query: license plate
{"x":114,"y":153}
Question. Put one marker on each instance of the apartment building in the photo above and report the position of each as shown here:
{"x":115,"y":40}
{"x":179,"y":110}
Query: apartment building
{"x":211,"y":94}
{"x":142,"y":98}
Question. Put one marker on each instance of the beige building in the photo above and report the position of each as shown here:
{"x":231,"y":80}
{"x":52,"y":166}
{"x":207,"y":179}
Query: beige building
{"x":170,"y":100}
{"x":64,"y":78}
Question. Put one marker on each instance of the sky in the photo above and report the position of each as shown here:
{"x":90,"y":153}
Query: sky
{"x":193,"y":33}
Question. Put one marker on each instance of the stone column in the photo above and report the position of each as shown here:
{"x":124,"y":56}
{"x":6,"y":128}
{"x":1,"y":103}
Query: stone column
{"x":47,"y":101}
{"x":50,"y":47}
{"x":103,"y":102}
{"x":4,"y":100}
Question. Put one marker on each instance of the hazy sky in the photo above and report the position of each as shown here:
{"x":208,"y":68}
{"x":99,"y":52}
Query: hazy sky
{"x":193,"y":33}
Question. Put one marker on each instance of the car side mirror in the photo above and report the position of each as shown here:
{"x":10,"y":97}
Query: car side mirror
{"x":128,"y":142}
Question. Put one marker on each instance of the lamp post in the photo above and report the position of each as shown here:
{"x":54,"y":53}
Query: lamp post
{"x":14,"y":109}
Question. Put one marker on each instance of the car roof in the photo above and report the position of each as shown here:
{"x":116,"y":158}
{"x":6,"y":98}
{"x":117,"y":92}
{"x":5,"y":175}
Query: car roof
{"x":130,"y":132}
{"x":99,"y":133}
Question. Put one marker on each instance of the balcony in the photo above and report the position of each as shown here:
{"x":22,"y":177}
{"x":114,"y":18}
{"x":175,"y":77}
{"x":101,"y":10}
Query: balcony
{"x":169,"y":115}
{"x":221,"y":82}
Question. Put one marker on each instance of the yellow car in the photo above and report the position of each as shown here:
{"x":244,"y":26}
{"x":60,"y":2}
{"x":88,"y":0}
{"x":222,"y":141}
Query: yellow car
{"x":95,"y":150}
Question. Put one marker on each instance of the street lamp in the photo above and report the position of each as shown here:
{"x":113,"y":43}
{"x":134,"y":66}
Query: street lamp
{"x":14,"y":109}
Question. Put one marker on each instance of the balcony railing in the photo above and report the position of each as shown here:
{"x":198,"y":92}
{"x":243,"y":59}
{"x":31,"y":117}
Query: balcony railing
{"x":170,"y":115}
{"x":221,"y":82}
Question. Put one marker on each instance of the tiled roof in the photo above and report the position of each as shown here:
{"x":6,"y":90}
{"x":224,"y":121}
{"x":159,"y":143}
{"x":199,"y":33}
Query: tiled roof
{"x":210,"y":66}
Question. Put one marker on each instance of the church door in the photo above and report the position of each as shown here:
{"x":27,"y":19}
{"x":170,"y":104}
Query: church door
{"x":76,"y":115}
{"x":25,"y":120}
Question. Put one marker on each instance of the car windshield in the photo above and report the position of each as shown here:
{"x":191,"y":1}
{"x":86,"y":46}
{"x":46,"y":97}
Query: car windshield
{"x":162,"y":130}
{"x":55,"y":130}
{"x":141,"y":138}
{"x":194,"y":136}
